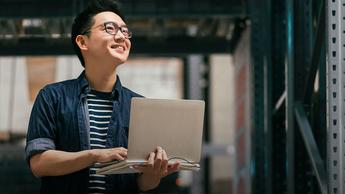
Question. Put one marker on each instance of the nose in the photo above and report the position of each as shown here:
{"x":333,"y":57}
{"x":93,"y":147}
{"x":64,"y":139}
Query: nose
{"x":119,"y":35}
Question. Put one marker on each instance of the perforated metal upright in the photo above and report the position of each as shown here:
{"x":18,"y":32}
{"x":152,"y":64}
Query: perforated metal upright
{"x":336,"y":95}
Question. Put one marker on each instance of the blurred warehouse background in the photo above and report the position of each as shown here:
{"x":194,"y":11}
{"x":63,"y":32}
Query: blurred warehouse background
{"x":271,"y":73}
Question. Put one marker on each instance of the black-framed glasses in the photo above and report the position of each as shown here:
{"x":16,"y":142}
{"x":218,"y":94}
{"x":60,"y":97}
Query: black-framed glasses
{"x":112,"y":29}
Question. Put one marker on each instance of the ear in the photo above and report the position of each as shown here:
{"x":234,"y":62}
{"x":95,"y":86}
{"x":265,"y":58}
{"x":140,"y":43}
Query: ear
{"x":82,"y":42}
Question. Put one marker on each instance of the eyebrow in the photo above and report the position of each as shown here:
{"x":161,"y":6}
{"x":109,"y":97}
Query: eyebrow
{"x":115,"y":23}
{"x":102,"y":25}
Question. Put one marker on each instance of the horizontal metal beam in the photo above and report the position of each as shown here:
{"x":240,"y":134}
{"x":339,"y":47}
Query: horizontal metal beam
{"x":38,"y":8}
{"x":311,"y":146}
{"x":140,"y":45}
{"x":131,"y":8}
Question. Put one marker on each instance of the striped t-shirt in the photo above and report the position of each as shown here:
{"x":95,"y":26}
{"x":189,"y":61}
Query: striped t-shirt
{"x":100,"y":109}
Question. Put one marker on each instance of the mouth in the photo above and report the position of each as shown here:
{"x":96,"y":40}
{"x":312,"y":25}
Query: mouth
{"x":118,"y":47}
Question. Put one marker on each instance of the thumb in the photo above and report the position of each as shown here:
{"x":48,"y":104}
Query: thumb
{"x":173,"y":168}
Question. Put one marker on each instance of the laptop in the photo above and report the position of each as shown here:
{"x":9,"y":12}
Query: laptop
{"x":175,"y":125}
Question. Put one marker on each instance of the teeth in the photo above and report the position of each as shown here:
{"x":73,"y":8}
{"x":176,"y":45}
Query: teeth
{"x":115,"y":47}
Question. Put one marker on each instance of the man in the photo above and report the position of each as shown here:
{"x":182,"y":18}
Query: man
{"x":77,"y":123}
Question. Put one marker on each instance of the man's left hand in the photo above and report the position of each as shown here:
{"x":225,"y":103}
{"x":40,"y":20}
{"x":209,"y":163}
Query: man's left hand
{"x":157,"y":164}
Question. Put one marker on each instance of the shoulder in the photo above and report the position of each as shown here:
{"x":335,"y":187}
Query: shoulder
{"x":58,"y":89}
{"x":63,"y":85}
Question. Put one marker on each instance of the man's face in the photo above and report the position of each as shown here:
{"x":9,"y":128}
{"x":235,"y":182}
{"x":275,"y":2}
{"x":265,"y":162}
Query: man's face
{"x":107,"y":47}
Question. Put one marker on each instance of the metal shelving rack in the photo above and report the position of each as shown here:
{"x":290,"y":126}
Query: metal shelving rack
{"x":335,"y":95}
{"x":290,"y":134}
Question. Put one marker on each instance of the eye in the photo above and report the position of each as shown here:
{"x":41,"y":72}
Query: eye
{"x":124,"y":30}
{"x":110,"y":28}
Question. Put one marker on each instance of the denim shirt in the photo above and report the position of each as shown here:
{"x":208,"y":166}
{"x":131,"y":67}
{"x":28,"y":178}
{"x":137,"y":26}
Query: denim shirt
{"x":59,"y":121}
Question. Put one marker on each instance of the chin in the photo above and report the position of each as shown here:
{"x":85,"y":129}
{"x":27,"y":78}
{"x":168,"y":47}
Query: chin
{"x":123,"y":60}
{"x":117,"y":64}
{"x":120,"y":57}
{"x":119,"y":61}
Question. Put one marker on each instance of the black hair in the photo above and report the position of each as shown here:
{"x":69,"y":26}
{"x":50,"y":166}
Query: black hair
{"x":84,"y":20}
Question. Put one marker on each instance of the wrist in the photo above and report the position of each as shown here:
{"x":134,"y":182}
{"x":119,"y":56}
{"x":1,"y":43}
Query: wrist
{"x":150,"y":181}
{"x":93,"y":155}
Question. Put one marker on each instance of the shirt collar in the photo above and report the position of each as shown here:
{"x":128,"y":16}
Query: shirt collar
{"x":85,"y":88}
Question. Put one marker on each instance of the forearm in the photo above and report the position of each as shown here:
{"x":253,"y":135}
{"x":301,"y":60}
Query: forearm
{"x":56,"y":163}
{"x":147,"y":182}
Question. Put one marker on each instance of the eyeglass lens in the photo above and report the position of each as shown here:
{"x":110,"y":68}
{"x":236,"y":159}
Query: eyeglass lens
{"x":112,"y":29}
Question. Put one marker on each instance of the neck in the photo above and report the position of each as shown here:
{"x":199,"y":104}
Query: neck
{"x":99,"y":80}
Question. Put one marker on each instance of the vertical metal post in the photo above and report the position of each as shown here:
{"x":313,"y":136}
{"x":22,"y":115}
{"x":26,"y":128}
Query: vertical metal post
{"x":335,"y":95}
{"x":261,"y":40}
{"x":12,"y":93}
{"x":279,"y":156}
{"x":290,"y":98}
{"x":268,"y":107}
{"x":194,"y":90}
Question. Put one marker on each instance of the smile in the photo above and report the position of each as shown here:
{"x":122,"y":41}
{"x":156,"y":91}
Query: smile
{"x":118,"y":47}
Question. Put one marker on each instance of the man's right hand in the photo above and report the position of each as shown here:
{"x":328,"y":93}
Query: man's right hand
{"x":56,"y":163}
{"x":111,"y":154}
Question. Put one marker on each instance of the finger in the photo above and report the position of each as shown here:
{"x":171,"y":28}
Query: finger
{"x":158,"y":159}
{"x":159,"y":151}
{"x":164,"y":164}
{"x":123,"y":153}
{"x":119,"y":150}
{"x":173,"y":168}
{"x":119,"y":153}
{"x":140,"y":168}
{"x":176,"y":165}
{"x":119,"y":157}
{"x":150,"y":160}
{"x":124,"y":150}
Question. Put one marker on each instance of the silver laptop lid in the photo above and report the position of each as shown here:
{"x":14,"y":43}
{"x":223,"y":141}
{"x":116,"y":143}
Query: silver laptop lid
{"x":175,"y":125}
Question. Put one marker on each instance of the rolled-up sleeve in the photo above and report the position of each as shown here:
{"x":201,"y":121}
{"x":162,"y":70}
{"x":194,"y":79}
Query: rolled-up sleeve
{"x":42,"y":126}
